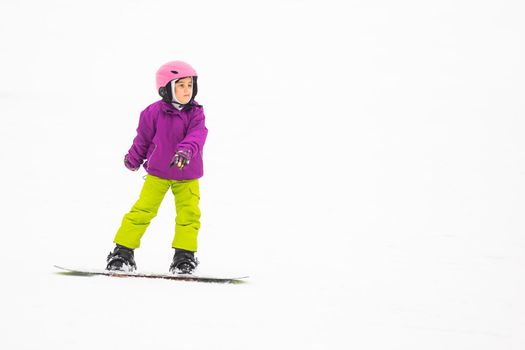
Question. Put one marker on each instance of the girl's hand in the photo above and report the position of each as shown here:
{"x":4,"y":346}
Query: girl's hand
{"x":181,"y":159}
{"x":128,"y":164}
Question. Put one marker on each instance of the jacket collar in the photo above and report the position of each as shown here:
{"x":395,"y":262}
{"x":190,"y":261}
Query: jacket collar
{"x":169,"y":108}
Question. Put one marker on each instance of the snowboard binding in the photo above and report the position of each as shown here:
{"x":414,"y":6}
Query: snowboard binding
{"x":121,"y":259}
{"x":184,"y":262}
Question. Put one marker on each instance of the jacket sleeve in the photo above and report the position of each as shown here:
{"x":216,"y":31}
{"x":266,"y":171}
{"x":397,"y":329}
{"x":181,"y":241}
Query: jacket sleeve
{"x":196,"y":134}
{"x":145,"y":132}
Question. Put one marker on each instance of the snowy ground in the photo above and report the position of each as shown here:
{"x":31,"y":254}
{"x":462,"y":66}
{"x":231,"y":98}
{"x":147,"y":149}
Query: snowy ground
{"x":365,"y":166}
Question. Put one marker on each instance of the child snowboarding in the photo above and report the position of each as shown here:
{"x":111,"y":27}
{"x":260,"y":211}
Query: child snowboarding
{"x":169,"y":144}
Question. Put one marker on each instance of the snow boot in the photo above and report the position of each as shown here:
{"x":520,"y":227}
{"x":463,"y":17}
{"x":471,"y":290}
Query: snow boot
{"x":121,"y":259}
{"x":184,"y":262}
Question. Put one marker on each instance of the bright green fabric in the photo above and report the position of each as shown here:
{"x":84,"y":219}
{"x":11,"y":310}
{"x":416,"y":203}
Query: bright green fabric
{"x":187,"y":221}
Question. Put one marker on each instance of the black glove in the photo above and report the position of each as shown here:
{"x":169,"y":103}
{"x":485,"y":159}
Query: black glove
{"x":128,"y":164}
{"x":181,"y":159}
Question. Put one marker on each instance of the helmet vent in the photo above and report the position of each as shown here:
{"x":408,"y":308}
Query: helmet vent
{"x":174,"y":72}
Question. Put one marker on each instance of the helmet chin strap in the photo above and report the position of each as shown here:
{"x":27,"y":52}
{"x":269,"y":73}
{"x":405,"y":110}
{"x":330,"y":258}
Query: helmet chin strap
{"x":178,"y":105}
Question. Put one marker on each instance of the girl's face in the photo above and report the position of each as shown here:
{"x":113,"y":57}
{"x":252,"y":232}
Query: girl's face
{"x":184,"y":90}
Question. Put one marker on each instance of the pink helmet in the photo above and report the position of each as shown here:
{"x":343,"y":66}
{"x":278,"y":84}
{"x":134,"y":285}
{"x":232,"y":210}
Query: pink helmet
{"x":173,"y":70}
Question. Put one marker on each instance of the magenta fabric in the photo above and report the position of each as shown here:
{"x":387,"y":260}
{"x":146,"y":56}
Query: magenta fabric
{"x":162,"y":131}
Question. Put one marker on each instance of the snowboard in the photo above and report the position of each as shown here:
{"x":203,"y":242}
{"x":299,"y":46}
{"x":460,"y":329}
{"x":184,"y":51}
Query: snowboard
{"x":180,"y":277}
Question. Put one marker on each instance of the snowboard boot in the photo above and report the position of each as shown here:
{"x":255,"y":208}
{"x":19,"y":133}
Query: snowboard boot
{"x":184,"y":262}
{"x":121,"y":259}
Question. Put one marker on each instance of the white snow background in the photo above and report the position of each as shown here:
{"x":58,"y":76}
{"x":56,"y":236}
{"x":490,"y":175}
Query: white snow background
{"x":365,"y":166}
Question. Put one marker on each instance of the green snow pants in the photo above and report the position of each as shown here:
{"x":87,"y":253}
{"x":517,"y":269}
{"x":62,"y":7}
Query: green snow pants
{"x":187,"y":221}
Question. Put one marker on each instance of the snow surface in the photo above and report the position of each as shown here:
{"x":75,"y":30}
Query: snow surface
{"x":365,"y":166}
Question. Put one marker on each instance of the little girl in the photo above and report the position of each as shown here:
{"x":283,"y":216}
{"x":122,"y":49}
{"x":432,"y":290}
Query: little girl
{"x":170,"y":137}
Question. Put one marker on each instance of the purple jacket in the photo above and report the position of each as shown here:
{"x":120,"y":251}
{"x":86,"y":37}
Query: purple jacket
{"x":162,"y":131}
